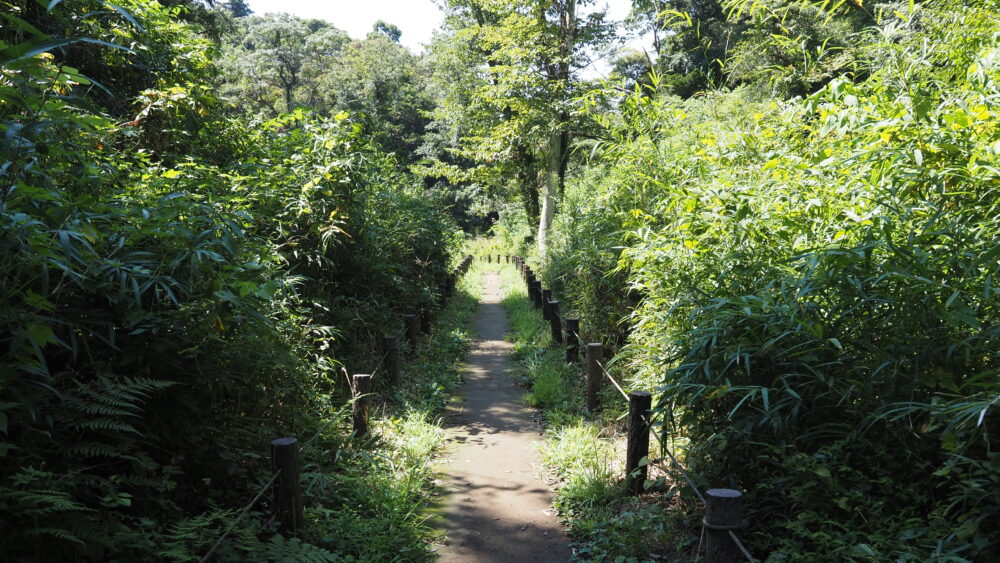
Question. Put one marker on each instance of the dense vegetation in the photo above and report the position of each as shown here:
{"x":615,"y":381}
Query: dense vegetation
{"x":179,"y":288}
{"x":781,"y":219}
{"x":809,"y":285}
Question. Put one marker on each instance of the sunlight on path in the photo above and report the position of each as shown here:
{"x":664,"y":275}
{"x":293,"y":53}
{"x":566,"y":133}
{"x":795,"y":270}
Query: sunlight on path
{"x":497,"y":507}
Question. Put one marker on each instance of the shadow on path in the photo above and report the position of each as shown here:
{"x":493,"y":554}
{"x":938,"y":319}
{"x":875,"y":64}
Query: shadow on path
{"x":496,"y":507}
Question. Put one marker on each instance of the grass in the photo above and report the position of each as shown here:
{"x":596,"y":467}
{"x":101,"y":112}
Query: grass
{"x":367,"y":497}
{"x":586,"y":451}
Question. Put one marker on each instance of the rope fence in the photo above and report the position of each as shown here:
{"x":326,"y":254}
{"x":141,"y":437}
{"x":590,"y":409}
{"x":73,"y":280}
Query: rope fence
{"x":723,"y":507}
{"x":285,"y":481}
{"x":242,"y":514}
{"x":613,"y":382}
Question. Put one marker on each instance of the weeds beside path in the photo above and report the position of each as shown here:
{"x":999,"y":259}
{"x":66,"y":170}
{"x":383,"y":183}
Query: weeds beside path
{"x":585,"y":452}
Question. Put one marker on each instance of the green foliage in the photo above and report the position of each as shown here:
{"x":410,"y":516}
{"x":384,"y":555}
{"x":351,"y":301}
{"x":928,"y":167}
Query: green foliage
{"x":582,"y":454}
{"x":814,"y":285}
{"x":177,"y":289}
{"x":277,"y":62}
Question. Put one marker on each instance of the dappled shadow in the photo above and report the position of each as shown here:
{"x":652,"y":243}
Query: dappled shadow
{"x":495,"y":506}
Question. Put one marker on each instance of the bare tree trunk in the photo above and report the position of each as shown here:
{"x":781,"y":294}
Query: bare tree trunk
{"x":551,"y":191}
{"x":559,"y":137}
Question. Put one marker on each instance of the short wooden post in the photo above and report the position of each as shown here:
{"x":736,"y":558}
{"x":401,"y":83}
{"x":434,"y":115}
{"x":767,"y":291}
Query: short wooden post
{"x":723,"y":513}
{"x":546,"y":304}
{"x":390,"y":347}
{"x":288,"y":511}
{"x":555,"y":321}
{"x":572,"y":340}
{"x":362,"y":388}
{"x":595,"y":353}
{"x":637,"y":446}
{"x":489,"y":258}
{"x":538,"y":294}
{"x":508,"y":259}
{"x":425,"y":319}
{"x":411,"y":329}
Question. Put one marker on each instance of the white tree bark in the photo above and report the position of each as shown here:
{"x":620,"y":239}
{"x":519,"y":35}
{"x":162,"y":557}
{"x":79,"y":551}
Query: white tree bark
{"x":549,"y":193}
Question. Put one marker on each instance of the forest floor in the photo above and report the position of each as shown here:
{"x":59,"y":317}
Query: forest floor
{"x":496,"y":506}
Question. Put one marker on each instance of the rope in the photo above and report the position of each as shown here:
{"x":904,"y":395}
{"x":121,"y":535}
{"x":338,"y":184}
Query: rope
{"x":678,"y":465}
{"x":243,"y":513}
{"x":739,"y":544}
{"x":615,"y":383}
{"x":381,"y":362}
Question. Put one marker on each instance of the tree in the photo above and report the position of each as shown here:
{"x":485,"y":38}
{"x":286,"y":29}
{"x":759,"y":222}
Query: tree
{"x":388,"y":30}
{"x":512,"y":112}
{"x":239,"y":8}
{"x":379,"y":79}
{"x":274,"y":62}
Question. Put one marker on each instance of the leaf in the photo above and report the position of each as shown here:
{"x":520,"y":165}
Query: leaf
{"x":127,"y":16}
{"x":44,"y":44}
{"x":41,"y":334}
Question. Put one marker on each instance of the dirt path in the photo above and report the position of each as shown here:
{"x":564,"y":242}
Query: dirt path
{"x":497,"y":507}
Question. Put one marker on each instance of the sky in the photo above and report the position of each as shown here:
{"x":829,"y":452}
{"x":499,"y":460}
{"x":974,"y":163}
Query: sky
{"x":417,"y":19}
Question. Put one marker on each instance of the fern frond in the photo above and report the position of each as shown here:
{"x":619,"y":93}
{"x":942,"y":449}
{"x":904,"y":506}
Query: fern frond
{"x":295,"y":550}
{"x":57,"y":533}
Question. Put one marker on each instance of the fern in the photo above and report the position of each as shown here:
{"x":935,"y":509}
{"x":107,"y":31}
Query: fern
{"x":57,"y":533}
{"x":295,"y":550}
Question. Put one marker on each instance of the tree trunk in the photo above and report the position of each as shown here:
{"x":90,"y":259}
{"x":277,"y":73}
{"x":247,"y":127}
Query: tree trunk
{"x":527,"y":178}
{"x":552,"y":174}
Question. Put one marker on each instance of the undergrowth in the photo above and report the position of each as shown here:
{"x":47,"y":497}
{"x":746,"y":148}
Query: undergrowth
{"x":364,"y":496}
{"x":585,"y":451}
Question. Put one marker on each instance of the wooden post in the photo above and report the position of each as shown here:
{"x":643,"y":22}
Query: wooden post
{"x":637,"y":447}
{"x":572,"y":340}
{"x":412,"y":330}
{"x":595,"y":353}
{"x":288,"y":511}
{"x":362,"y":388}
{"x":508,"y":259}
{"x":538,"y":294}
{"x":390,"y":347}
{"x":425,"y":319}
{"x":723,"y":512}
{"x":555,"y":321}
{"x":546,"y":302}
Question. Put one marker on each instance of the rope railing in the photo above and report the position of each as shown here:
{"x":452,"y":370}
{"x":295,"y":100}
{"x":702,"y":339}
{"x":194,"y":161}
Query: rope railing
{"x":677,"y":464}
{"x":242,"y":514}
{"x":717,"y":523}
{"x":613,"y":382}
{"x":381,"y":362}
{"x":739,"y":544}
{"x":285,"y":454}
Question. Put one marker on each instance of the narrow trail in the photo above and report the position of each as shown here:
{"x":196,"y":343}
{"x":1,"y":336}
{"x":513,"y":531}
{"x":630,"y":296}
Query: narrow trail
{"x":496,"y":507}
